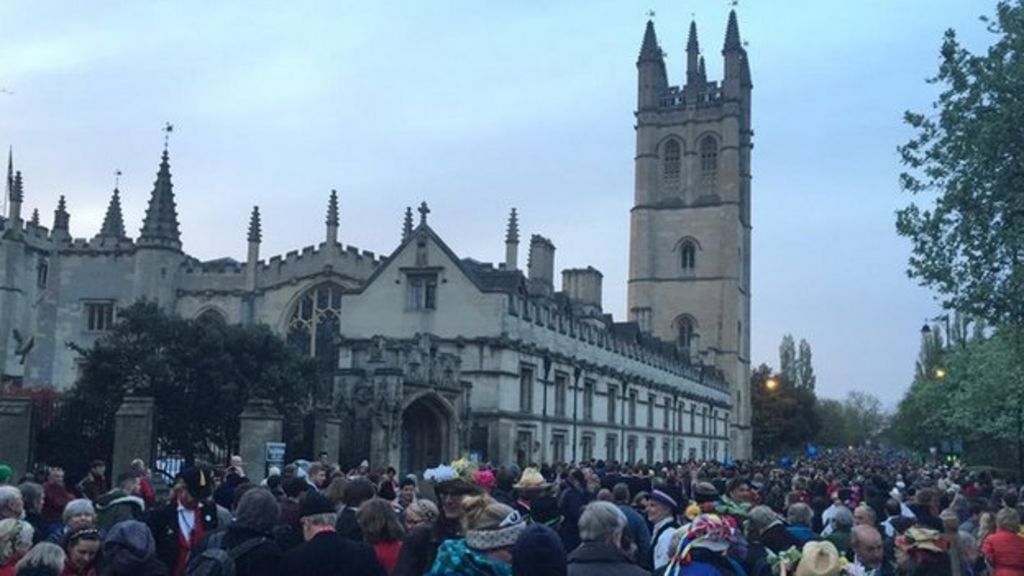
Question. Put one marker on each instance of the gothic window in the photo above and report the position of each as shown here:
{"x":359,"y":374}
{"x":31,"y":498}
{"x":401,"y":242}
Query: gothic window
{"x":672,"y":160}
{"x":316,"y":322}
{"x":686,"y":332}
{"x":422,"y":291}
{"x":687,"y":256}
{"x":631,"y":450}
{"x":99,"y":315}
{"x":561,"y":381}
{"x":211,"y":316}
{"x":668,"y":414}
{"x":611,"y":447}
{"x":587,"y":444}
{"x":611,"y":404}
{"x":526,"y":389}
{"x":558,"y":447}
{"x":709,"y":163}
{"x":632,"y":408}
{"x":42,"y":271}
{"x":649,"y":450}
{"x":588,"y":400}
{"x":650,"y":412}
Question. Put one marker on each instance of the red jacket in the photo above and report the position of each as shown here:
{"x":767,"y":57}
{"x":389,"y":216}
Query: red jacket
{"x":56,"y":498}
{"x":1004,"y":551}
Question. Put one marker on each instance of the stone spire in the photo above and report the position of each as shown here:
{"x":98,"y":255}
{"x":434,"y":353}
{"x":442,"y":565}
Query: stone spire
{"x":732,"y":35}
{"x":113,"y":222}
{"x":160,"y":226}
{"x":407,"y":224}
{"x":16,"y":193}
{"x":692,"y":56}
{"x":649,"y":49}
{"x":11,"y":190}
{"x":332,"y":218}
{"x":35,"y":217}
{"x":255,"y":230}
{"x":703,"y":71}
{"x":653,"y":80}
{"x":512,"y":241}
{"x":61,"y":218}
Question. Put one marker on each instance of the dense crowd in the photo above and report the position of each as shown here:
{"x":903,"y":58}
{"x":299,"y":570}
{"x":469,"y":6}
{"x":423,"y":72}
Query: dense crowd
{"x":856,"y":512}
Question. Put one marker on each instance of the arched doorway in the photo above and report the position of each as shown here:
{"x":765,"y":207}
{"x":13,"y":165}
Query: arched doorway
{"x":426,"y":426}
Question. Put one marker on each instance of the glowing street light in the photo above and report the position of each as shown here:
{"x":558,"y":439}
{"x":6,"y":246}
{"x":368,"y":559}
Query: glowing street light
{"x":771,"y":384}
{"x":940,"y":373}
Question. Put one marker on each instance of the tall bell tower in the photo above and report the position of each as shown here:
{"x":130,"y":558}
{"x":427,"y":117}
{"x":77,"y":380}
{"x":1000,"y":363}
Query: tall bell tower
{"x":689,"y":252}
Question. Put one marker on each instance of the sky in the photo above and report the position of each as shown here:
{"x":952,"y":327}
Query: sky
{"x":476,"y":108}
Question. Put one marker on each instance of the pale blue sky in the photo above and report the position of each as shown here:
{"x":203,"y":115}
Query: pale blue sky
{"x":478,"y":107}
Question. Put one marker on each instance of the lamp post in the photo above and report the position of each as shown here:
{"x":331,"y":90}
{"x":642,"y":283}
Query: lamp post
{"x":927,"y":329}
{"x":544,"y":409}
{"x":577,"y":371}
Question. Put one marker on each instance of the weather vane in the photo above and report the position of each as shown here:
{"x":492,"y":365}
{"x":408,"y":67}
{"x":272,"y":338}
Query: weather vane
{"x":650,"y":13}
{"x":734,"y":3}
{"x":167,"y":129}
{"x":117,"y":179}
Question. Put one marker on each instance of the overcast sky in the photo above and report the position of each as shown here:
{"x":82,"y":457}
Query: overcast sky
{"x":478,"y":107}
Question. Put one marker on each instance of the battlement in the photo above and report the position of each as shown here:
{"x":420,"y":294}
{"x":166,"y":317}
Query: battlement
{"x":98,"y":244}
{"x":346,"y":260}
{"x":531,"y":314}
{"x":675,"y":97}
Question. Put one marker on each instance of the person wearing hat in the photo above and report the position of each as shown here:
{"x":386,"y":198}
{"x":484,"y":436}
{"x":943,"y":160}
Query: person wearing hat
{"x":419,"y":549}
{"x":662,"y":510}
{"x":818,"y":558}
{"x":5,"y":474}
{"x":180,"y":524}
{"x":325,"y":552}
{"x":491,"y":531}
{"x":531,"y":485}
{"x":922,"y":552}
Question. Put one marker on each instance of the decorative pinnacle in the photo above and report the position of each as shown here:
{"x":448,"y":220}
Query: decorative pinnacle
{"x":113,"y":222}
{"x":649,"y":50}
{"x":702,"y":70}
{"x":423,"y":210}
{"x":691,"y":42}
{"x":332,"y":209}
{"x":732,"y":35}
{"x":255,"y":230}
{"x":407,"y":224}
{"x":512,"y":233}
{"x":35,"y":217}
{"x":61,"y":218}
{"x":17,"y":190}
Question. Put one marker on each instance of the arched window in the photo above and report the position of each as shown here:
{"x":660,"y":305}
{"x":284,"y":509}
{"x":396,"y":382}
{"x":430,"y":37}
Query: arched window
{"x":709,"y":163}
{"x":686,"y":330}
{"x":687,"y":256}
{"x":212,"y":316}
{"x":672,"y":160}
{"x":316,"y":322}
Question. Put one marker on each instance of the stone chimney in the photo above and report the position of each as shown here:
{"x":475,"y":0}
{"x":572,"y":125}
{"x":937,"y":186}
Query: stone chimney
{"x":541,"y":267}
{"x":583,"y":286}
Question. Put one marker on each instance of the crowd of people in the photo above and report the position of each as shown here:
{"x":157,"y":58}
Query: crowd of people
{"x":854,"y":512}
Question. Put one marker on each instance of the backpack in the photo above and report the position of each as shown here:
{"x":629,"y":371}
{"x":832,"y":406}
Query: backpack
{"x":216,"y":561}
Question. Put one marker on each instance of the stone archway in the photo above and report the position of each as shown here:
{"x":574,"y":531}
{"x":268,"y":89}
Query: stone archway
{"x":426,"y":434}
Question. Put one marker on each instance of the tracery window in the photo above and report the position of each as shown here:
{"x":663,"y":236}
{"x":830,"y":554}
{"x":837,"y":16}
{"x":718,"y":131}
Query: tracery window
{"x":709,"y":163}
{"x":316,"y":322}
{"x":687,"y":256}
{"x":672,"y":160}
{"x":686,"y":332}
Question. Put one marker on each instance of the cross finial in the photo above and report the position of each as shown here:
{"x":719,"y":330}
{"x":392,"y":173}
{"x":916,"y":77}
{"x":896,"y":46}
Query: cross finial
{"x":167,"y":129}
{"x":650,"y":14}
{"x":423,"y":210}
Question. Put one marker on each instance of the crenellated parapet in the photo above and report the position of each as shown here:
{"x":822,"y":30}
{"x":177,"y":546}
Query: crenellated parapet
{"x":347,"y":261}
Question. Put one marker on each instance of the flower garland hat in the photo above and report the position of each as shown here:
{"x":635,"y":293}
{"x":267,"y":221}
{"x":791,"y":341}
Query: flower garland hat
{"x":454,"y":479}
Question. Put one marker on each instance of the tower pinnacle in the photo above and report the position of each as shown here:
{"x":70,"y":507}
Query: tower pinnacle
{"x":113,"y":222}
{"x":732,"y":35}
{"x":693,"y":57}
{"x":255,"y":230}
{"x":332,"y":218}
{"x":160,"y":226}
{"x":35,"y":217}
{"x":407,"y":224}
{"x":649,"y":50}
{"x":61,"y":218}
{"x":512,"y":241}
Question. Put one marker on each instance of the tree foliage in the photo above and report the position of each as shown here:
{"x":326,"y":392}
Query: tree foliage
{"x":787,"y":359}
{"x":969,"y":155}
{"x":805,"y":377}
{"x":199,"y":373}
{"x":784,"y":418}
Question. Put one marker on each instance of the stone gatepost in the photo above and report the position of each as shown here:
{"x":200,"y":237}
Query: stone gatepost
{"x":16,"y":434}
{"x":326,"y":435}
{"x":133,"y":433}
{"x":259,"y":423}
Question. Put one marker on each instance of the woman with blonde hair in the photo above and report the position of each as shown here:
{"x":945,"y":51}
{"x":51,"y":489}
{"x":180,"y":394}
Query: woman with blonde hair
{"x":15,"y":541}
{"x":44,"y":558}
{"x":491,"y":530}
{"x":420,"y":512}
{"x":379,"y":524}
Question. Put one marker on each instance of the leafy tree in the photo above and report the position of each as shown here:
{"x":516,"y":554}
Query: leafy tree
{"x":835,"y":429}
{"x":969,"y":156}
{"x":199,"y":373}
{"x":784,"y":416}
{"x":805,"y":377}
{"x":865,"y":416}
{"x":787,"y":360}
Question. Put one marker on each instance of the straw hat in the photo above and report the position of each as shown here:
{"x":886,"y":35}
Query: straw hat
{"x":531,"y":480}
{"x":818,"y":559}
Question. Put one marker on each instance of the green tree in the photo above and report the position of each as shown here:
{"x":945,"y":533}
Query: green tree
{"x":968,"y":156}
{"x":805,"y":367}
{"x":834,"y":429}
{"x":784,"y":415}
{"x":787,"y":359}
{"x":199,"y":373}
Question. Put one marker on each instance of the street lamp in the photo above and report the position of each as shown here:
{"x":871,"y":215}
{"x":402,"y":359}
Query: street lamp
{"x":940,"y":373}
{"x":771,"y":384}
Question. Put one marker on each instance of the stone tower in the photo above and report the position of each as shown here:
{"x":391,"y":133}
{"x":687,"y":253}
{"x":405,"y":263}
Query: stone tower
{"x":689,"y":261}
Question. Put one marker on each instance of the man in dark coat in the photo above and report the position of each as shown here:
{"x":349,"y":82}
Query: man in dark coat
{"x":600,"y":554}
{"x":255,"y":516}
{"x":179,"y":526}
{"x":571,"y":506}
{"x":325,"y":552}
{"x":120,"y":504}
